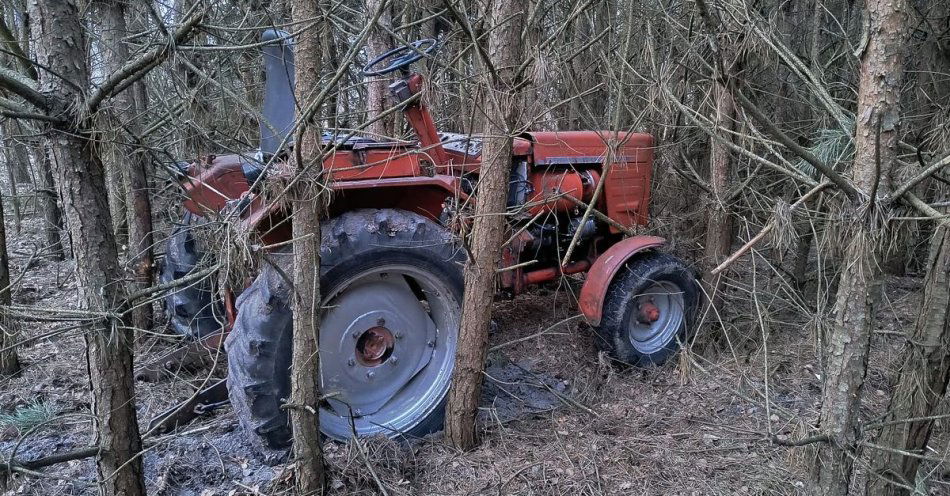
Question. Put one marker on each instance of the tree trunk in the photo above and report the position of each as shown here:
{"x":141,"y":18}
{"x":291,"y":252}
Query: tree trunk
{"x":61,"y":47}
{"x":9,"y":361}
{"x":20,"y":161}
{"x":308,"y":208}
{"x":48,"y":201}
{"x":922,"y":381}
{"x":377,"y":89}
{"x":12,"y":156}
{"x":719,"y":220}
{"x":848,"y":343}
{"x":132,"y":164}
{"x":489,"y":226}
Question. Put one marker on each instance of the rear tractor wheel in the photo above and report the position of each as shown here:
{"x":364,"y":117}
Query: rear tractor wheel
{"x":649,"y":310}
{"x":193,"y":310}
{"x":391,"y":286}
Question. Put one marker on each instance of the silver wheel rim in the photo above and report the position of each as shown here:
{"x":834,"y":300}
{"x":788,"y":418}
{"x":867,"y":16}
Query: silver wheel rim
{"x":651,"y":332}
{"x":386,"y":351}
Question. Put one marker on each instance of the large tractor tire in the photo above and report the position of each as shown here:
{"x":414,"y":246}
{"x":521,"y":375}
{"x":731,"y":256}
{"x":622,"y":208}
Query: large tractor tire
{"x":194,"y":309}
{"x":391,"y":287}
{"x":649,"y":310}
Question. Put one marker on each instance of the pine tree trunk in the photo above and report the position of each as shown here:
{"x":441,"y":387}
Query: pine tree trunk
{"x":719,"y":219}
{"x":922,"y":381}
{"x":377,"y":88}
{"x":61,"y":47}
{"x":9,"y":361}
{"x":848,"y":343}
{"x":308,"y":209}
{"x":12,"y":157}
{"x":489,"y":227}
{"x":48,"y":201}
{"x":13,"y":130}
{"x":132,"y":164}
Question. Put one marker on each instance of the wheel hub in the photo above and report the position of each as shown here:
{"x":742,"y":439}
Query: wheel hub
{"x":657,"y":317}
{"x":374,"y":346}
{"x":649,"y":312}
{"x":373,"y":342}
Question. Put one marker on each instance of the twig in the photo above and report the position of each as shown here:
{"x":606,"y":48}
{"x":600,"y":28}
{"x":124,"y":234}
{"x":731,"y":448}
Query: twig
{"x":820,"y":438}
{"x":602,"y":216}
{"x":766,"y":230}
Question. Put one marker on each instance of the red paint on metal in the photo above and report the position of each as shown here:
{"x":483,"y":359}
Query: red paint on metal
{"x":230,"y":311}
{"x":626,"y":193}
{"x":553,"y":145}
{"x":601,"y":274}
{"x":216,"y":181}
{"x":417,"y":113}
{"x":550,"y":273}
{"x":552,"y":187}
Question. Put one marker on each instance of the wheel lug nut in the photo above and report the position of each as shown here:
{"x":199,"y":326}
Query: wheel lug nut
{"x":393,"y":360}
{"x":430,"y":343}
{"x":398,"y":335}
{"x":370,"y":374}
{"x":351,"y":362}
{"x":381,"y":322}
{"x":356,"y":334}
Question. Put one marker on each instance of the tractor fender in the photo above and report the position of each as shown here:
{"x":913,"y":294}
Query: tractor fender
{"x":602,"y":272}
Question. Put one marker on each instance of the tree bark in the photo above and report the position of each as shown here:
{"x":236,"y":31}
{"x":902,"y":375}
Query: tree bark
{"x":719,"y":220}
{"x":377,"y":88}
{"x":847,"y":345}
{"x":133,"y":163}
{"x":61,"y":47}
{"x":308,"y":209}
{"x":20,"y":159}
{"x":922,"y":381}
{"x":489,"y":226}
{"x":9,"y":361}
{"x":12,"y":155}
{"x":48,"y":200}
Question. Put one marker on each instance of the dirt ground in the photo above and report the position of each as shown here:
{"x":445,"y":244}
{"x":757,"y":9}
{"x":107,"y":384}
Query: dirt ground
{"x":557,"y":418}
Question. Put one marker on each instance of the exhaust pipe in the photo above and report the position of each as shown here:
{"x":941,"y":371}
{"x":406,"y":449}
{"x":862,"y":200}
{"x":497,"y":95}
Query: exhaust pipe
{"x":279,"y":113}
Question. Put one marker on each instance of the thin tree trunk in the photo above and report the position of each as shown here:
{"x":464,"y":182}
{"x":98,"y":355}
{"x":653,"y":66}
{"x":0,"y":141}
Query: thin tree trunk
{"x":377,"y":88}
{"x":14,"y":194}
{"x":46,"y":191}
{"x":13,"y":131}
{"x":922,"y":381}
{"x":9,"y":361}
{"x":488,"y":231}
{"x":132,"y":164}
{"x":847,"y":345}
{"x":719,"y":220}
{"x":61,"y":47}
{"x":118,"y":204}
{"x":308,"y":208}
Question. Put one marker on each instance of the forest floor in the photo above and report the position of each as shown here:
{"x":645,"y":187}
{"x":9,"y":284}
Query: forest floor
{"x":557,"y":418}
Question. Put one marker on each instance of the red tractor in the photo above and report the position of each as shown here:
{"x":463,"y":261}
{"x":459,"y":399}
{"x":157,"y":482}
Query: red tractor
{"x":391,"y":267}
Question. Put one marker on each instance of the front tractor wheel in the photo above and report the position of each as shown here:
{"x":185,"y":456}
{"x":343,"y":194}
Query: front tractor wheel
{"x":648,"y":310}
{"x":391,"y":285}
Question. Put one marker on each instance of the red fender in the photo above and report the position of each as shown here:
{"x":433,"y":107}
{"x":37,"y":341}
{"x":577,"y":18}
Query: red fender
{"x":601,"y":274}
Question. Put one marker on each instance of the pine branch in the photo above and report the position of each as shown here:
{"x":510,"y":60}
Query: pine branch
{"x":138,"y":67}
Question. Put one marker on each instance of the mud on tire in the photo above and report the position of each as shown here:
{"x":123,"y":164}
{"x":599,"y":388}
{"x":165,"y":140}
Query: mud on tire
{"x":193,"y":310}
{"x":259,"y":346}
{"x":649,"y":310}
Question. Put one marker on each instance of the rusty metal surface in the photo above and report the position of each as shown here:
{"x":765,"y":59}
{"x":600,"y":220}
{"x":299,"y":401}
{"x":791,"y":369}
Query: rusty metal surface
{"x":591,"y":300}
{"x":199,"y":404}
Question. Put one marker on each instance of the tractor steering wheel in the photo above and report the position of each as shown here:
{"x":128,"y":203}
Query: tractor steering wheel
{"x":404,"y":57}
